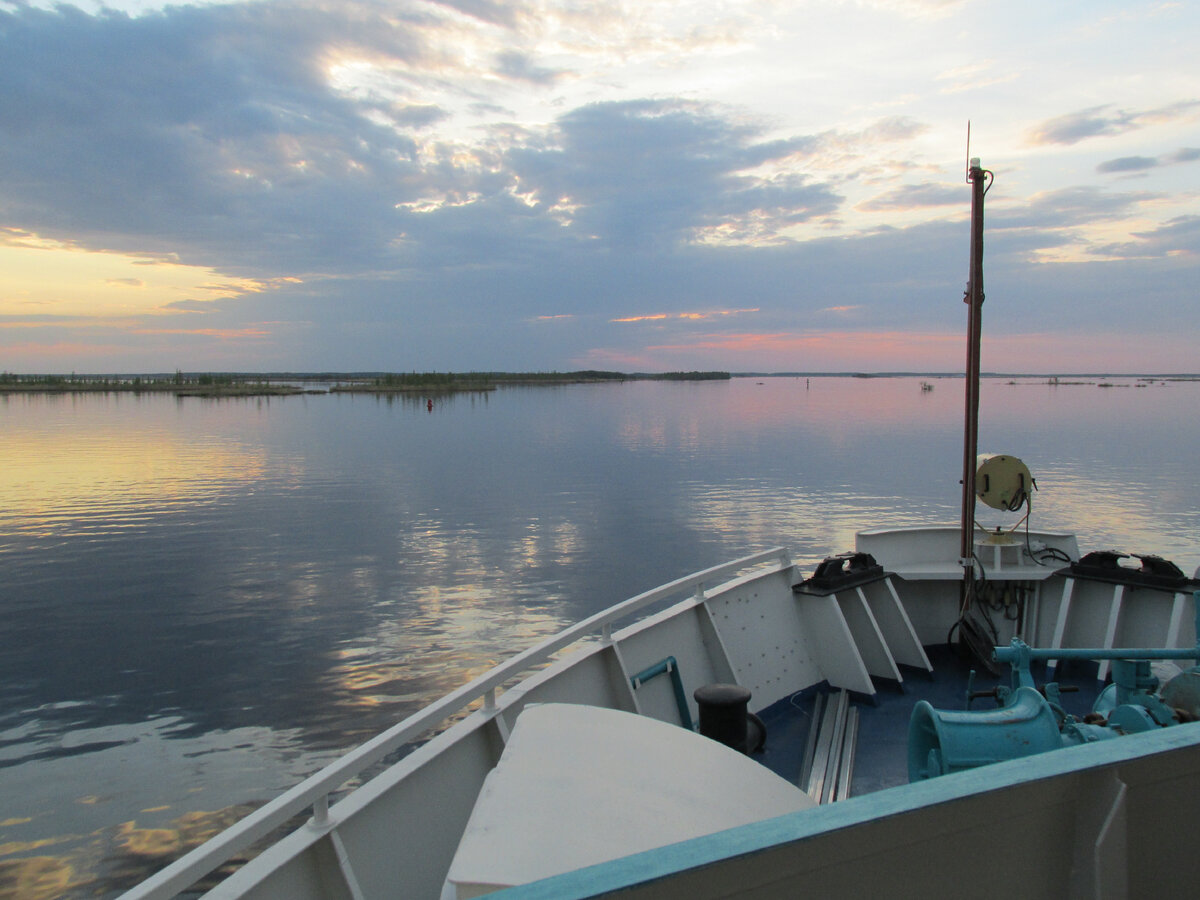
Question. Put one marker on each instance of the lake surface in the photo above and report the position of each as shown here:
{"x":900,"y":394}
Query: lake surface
{"x":205,"y":600}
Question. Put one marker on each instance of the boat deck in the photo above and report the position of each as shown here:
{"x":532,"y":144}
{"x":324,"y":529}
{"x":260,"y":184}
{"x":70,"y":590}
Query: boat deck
{"x":881,"y":758}
{"x":743,"y":623}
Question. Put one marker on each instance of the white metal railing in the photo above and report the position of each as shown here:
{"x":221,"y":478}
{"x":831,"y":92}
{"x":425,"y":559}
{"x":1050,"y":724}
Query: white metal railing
{"x":314,"y":791}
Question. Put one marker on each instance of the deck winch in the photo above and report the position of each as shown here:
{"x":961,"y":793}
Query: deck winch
{"x":1030,"y":720}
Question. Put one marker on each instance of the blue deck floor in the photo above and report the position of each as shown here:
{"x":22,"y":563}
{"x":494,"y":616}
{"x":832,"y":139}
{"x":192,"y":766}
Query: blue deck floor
{"x":881,"y":759}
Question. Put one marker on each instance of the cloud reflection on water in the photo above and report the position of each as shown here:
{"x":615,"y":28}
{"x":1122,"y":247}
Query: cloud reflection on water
{"x":99,"y":477}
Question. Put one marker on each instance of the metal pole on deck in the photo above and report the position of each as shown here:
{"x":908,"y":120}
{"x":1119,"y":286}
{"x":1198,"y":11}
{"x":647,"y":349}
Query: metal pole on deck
{"x":980,"y":180}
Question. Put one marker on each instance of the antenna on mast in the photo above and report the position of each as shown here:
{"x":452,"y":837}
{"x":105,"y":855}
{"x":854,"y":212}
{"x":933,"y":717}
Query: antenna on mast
{"x":968,"y":169}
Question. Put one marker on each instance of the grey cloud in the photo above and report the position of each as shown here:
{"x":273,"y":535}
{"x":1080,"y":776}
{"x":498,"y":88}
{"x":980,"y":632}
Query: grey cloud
{"x":790,"y":199}
{"x":200,"y":306}
{"x":1099,"y":121}
{"x":1075,"y":127}
{"x":519,"y":67}
{"x":895,"y":128}
{"x":1128,"y":164}
{"x":1179,"y":235}
{"x":504,"y":13}
{"x":1142,"y":163}
{"x":211,"y":133}
{"x":37,"y":318}
{"x":756,"y":154}
{"x":204,"y":130}
{"x":415,"y":115}
{"x":484,"y":108}
{"x":908,"y":278}
{"x":1068,"y":207}
{"x":646,"y":172}
{"x":912,"y":196}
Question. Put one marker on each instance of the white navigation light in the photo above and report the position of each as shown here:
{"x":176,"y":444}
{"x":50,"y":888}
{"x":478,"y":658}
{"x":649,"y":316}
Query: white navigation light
{"x":1003,"y":482}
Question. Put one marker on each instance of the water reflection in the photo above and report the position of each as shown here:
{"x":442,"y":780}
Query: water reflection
{"x":206,"y":601}
{"x":100,"y":478}
{"x":108,"y":860}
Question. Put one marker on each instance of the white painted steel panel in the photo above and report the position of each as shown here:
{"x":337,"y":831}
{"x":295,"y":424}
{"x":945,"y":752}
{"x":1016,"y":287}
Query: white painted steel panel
{"x":895,"y":625}
{"x":930,"y":552}
{"x":833,"y":645}
{"x":871,"y":645}
{"x":769,"y":648}
{"x":681,"y":637}
{"x":578,"y":785}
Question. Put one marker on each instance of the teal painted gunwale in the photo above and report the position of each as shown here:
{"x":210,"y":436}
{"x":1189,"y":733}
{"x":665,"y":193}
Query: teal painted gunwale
{"x":652,"y":865}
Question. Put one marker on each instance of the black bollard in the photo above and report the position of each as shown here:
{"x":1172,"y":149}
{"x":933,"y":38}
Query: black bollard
{"x":723,"y":714}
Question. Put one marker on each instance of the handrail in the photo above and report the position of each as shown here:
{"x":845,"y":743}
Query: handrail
{"x":193,"y":866}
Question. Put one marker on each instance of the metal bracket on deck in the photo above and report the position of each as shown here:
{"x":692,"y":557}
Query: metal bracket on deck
{"x":670,"y":667}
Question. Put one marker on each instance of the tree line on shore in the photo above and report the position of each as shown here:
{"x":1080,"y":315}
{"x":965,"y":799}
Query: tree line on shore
{"x":209,"y":383}
{"x":445,"y":379}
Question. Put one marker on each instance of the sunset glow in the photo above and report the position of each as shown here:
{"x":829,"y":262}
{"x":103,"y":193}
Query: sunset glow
{"x":425,"y":186}
{"x":42,"y":278}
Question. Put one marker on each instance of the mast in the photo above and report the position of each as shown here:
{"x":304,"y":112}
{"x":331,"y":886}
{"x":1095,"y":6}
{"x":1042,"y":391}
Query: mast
{"x":980,"y":180}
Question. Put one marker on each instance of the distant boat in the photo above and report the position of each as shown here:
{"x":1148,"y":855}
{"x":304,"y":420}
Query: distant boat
{"x":752,"y":729}
{"x":926,"y":386}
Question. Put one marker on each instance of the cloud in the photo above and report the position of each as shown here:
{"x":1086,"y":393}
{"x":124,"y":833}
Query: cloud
{"x":518,"y":66}
{"x":1184,"y":155}
{"x":976,"y":76}
{"x":447,"y":178}
{"x":686,"y":316}
{"x":125,"y":282}
{"x":894,"y":128}
{"x":915,"y":196}
{"x":416,"y":115}
{"x":222,"y":333}
{"x":1128,"y":164}
{"x":495,"y":13}
{"x":653,"y":317}
{"x":917,"y":9}
{"x":194,"y":131}
{"x":646,"y":174}
{"x":1103,"y":121}
{"x":1067,"y":224}
{"x":822,"y":351}
{"x":1177,"y":237}
{"x":838,"y":145}
{"x":1178,"y":234}
{"x":199,"y":306}
{"x":1143,"y":163}
{"x":1070,"y":207}
{"x":211,"y":131}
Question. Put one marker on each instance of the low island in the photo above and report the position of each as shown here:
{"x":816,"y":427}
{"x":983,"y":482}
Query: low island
{"x":232,"y":384}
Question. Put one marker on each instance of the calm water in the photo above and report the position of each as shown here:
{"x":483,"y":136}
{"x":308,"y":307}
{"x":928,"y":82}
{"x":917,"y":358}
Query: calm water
{"x":203,"y":601}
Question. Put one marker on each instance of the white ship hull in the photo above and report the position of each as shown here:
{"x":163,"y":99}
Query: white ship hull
{"x":1093,"y":819}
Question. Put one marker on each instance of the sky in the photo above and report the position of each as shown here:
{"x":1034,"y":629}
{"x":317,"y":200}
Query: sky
{"x":634,"y":185}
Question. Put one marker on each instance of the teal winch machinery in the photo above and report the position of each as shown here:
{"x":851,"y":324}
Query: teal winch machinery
{"x":1030,"y":721}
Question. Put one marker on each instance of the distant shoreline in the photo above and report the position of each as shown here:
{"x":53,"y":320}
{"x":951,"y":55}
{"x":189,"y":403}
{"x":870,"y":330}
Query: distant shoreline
{"x":230,"y":384}
{"x":1043,"y":377}
{"x":280,"y":384}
